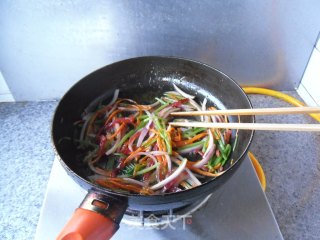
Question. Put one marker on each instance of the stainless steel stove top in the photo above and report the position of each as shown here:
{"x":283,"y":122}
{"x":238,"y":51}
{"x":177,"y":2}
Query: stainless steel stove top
{"x":163,"y":218}
{"x":239,"y":210}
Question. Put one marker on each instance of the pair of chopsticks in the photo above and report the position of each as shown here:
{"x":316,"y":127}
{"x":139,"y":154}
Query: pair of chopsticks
{"x":251,"y":126}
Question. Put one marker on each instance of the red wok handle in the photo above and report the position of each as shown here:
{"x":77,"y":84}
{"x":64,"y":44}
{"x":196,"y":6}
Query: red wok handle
{"x":88,"y":225}
{"x":97,"y":218}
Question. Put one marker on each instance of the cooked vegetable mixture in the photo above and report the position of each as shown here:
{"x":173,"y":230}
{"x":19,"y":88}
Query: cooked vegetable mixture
{"x":131,"y":147}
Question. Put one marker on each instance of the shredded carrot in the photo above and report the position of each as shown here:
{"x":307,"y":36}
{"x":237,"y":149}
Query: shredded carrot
{"x":112,"y":183}
{"x":130,"y":157}
{"x":116,"y":132}
{"x":161,"y":159}
{"x":136,"y":105}
{"x":179,"y":137}
{"x":174,"y":153}
{"x":186,"y":142}
{"x":150,"y":140}
{"x":176,"y":135}
{"x":208,"y":174}
{"x":125,"y":99}
{"x":173,"y":96}
{"x":198,"y":170}
{"x":93,"y":118}
{"x":138,"y":121}
{"x":140,"y":107}
{"x":216,"y":167}
{"x":143,"y":160}
{"x":112,"y":115}
{"x":216,"y":134}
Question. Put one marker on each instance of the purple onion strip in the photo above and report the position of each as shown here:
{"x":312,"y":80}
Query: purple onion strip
{"x":208,"y":153}
{"x":115,"y":145}
{"x":175,"y":174}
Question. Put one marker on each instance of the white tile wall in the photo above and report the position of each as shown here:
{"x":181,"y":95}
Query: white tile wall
{"x":309,"y":88}
{"x":5,"y":94}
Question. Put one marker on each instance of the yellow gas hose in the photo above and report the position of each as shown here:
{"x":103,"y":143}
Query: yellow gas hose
{"x":259,"y":170}
{"x":285,"y":97}
{"x":280,"y":95}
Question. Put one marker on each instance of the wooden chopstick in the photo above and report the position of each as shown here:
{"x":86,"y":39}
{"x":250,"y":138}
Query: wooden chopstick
{"x":252,"y":126}
{"x":255,"y":111}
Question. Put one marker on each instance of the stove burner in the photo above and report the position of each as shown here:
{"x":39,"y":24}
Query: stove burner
{"x":158,"y":218}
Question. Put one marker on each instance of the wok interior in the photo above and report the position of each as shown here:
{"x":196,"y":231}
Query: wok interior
{"x":143,"y":80}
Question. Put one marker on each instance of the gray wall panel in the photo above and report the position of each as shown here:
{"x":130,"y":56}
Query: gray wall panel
{"x":46,"y":46}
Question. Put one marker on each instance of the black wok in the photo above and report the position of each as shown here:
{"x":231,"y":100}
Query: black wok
{"x":141,"y":79}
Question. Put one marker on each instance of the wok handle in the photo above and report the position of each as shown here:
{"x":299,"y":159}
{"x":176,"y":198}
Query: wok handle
{"x":88,"y":225}
{"x":97,"y":218}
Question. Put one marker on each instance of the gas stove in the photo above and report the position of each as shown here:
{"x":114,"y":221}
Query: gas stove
{"x":238,"y":210}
